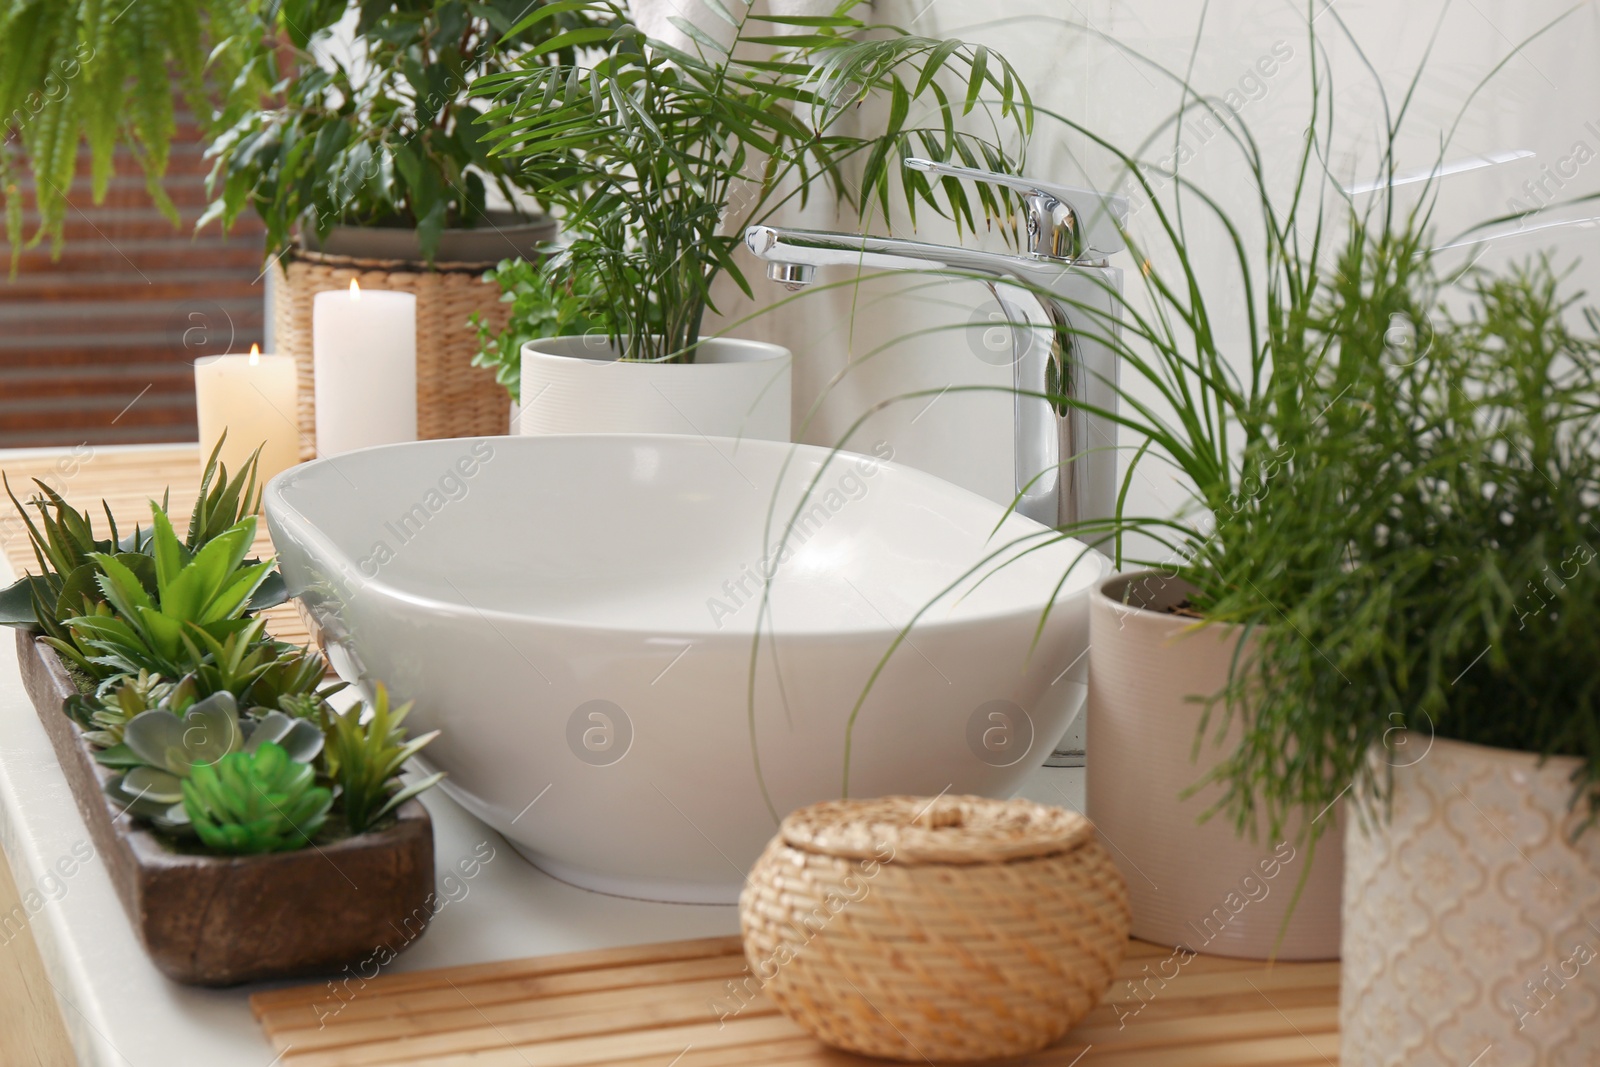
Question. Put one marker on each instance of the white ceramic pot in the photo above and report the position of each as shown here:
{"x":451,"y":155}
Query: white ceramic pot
{"x":1470,"y":916}
{"x":733,"y":389}
{"x":1194,"y":884}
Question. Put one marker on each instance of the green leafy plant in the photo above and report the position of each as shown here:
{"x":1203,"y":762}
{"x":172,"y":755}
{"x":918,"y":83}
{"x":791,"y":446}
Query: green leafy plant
{"x":543,"y":304}
{"x":365,"y":759}
{"x":199,"y":603}
{"x":387,"y":139}
{"x":161,"y":747}
{"x":106,"y":715}
{"x":65,"y":546}
{"x":253,"y":802}
{"x":659,"y":157}
{"x":104,"y":74}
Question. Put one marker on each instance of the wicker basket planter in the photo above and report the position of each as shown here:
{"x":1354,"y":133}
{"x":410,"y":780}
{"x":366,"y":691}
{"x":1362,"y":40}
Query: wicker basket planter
{"x":952,"y":929}
{"x":454,"y":398}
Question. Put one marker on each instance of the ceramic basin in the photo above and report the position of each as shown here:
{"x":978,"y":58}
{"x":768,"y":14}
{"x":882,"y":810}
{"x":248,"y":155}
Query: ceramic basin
{"x":579,"y":616}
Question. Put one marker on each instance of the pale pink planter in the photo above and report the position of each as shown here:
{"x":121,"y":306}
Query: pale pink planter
{"x":1470,"y":923}
{"x":1193,"y":884}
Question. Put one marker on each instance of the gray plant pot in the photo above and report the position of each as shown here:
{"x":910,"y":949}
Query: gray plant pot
{"x":504,"y":235}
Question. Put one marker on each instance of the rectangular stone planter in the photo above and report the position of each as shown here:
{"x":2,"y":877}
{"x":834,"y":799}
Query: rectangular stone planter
{"x":222,"y":920}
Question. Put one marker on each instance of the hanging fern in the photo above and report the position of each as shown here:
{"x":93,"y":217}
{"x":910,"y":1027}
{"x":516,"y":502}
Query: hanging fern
{"x":103,"y":72}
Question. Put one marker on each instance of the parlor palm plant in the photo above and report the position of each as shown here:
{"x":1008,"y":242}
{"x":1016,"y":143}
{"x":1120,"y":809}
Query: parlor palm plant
{"x":659,"y":157}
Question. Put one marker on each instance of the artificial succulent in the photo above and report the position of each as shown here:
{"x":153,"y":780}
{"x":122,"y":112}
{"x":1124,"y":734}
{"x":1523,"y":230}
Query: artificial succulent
{"x":255,"y":801}
{"x":105,"y":715}
{"x":365,"y":759}
{"x":65,"y":545}
{"x":160,"y":749}
{"x":200,"y":600}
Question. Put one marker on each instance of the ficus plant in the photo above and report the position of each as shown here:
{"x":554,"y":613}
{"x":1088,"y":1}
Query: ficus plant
{"x":389,"y":137}
{"x":659,"y":156}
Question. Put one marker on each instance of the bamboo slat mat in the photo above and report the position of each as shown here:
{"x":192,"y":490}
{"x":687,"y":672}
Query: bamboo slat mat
{"x":670,"y":1005}
{"x":127,"y":479}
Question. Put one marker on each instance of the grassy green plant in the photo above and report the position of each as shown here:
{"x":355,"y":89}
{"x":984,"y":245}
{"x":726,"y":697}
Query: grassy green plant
{"x":104,"y":73}
{"x":365,"y":759}
{"x":387,"y":139}
{"x":660,"y":157}
{"x":1370,"y":511}
{"x":1464,"y":601}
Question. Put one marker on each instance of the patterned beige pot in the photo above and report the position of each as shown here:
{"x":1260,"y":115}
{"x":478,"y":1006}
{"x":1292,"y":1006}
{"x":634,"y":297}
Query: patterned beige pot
{"x":1471,"y":918}
{"x":1194,"y":884}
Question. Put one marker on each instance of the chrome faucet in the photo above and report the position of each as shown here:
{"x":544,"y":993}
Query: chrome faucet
{"x":1065,"y":458}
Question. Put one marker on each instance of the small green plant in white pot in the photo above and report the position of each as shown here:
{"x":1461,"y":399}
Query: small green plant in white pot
{"x":658,"y":159}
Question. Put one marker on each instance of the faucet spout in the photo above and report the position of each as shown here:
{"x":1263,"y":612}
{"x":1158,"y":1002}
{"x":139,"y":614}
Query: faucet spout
{"x":820,"y":248}
{"x":1064,"y":459}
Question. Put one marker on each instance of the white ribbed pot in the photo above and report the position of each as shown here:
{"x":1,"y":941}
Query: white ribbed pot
{"x":1191,"y":884}
{"x":1471,"y":915}
{"x":733,"y":388}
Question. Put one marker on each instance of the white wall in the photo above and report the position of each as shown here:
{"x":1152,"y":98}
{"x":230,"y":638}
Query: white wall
{"x":1540,"y":111}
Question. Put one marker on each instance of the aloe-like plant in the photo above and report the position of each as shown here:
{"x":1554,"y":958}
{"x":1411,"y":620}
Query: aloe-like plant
{"x":660,"y":157}
{"x":199,"y":602}
{"x":254,"y":802}
{"x":65,"y":545}
{"x":365,"y":759}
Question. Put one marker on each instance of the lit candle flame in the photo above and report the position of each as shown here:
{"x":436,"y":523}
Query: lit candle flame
{"x":355,"y":290}
{"x":255,"y":354}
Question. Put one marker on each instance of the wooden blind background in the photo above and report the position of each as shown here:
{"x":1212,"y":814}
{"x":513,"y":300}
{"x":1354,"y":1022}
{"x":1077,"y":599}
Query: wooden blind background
{"x":98,"y":346}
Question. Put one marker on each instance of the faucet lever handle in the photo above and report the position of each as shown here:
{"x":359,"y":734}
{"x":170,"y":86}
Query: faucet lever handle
{"x":1064,"y":221}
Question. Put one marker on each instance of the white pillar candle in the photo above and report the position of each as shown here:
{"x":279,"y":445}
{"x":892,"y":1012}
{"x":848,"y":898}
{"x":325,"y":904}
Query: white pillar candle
{"x":364,"y":362}
{"x":252,"y":398}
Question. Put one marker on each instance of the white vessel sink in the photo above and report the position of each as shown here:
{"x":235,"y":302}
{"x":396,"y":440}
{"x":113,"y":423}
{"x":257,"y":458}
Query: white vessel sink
{"x":577,"y":614}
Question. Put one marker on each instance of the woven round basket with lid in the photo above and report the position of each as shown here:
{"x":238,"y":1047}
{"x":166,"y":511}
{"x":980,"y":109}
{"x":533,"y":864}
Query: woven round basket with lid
{"x":948,"y":929}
